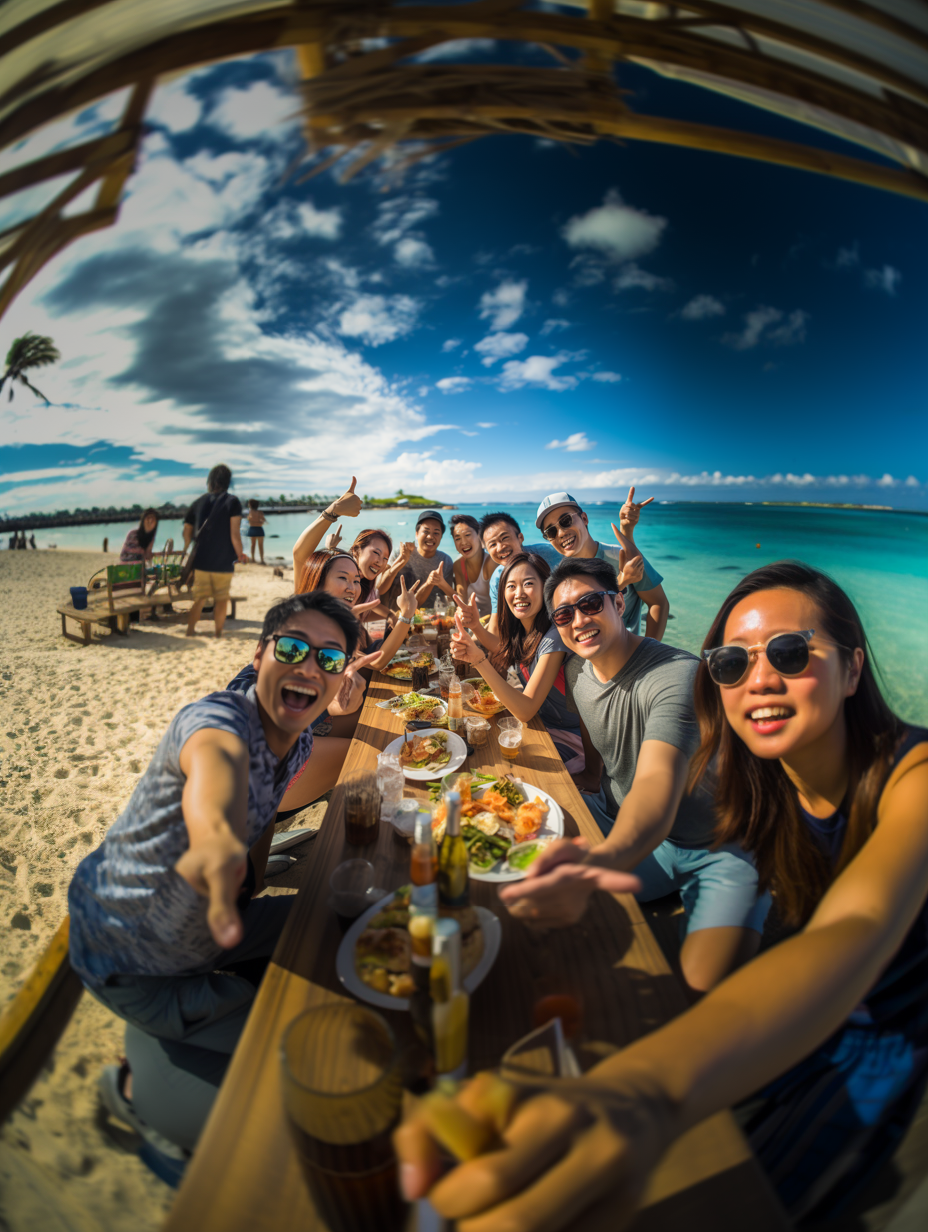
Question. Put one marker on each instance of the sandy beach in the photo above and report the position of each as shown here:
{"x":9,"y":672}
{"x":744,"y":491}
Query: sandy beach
{"x":79,"y":726}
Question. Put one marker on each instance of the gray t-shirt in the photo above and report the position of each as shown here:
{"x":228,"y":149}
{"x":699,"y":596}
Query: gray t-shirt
{"x":651,"y":698}
{"x":131,"y":912}
{"x":418,"y":569}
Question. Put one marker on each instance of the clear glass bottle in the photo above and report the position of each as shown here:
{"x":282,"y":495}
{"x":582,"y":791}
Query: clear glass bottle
{"x":455,"y":705}
{"x":453,"y":875}
{"x":450,"y":1003}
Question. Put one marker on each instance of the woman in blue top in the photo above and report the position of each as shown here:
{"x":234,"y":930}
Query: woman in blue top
{"x":821,"y":1042}
{"x":530,"y":643}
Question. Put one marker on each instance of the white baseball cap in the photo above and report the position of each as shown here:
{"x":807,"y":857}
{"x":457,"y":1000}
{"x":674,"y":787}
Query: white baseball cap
{"x":552,"y":502}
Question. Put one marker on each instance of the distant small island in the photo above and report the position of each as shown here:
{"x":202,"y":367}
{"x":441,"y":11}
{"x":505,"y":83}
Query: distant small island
{"x":311,"y":503}
{"x":831,"y":505}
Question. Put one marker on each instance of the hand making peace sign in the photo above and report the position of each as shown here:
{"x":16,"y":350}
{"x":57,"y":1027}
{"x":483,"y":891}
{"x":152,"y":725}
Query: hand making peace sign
{"x":630,"y":512}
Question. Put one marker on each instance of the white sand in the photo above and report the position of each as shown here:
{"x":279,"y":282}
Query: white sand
{"x":79,"y":725}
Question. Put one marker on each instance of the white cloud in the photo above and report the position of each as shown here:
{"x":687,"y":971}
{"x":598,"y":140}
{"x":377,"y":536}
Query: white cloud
{"x":553,"y":325}
{"x":504,"y":305}
{"x":257,"y":110}
{"x":413,"y":254}
{"x":457,"y":49}
{"x":577,"y":442}
{"x":323,"y":224}
{"x":399,"y":215}
{"x":615,"y":229}
{"x":912,"y":482}
{"x":701,"y":307}
{"x":450,"y":344}
{"x":290,"y":219}
{"x":632,"y":276}
{"x":453,"y":384}
{"x":758,"y":328}
{"x":886,"y":279}
{"x":500,"y":346}
{"x":173,"y":107}
{"x":536,"y":370}
{"x":486,"y":425}
{"x":887,"y":481}
{"x":377,"y":319}
{"x":848,"y":258}
{"x":607,"y":377}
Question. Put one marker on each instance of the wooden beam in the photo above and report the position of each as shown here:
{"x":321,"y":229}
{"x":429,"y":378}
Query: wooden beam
{"x":879,"y":17}
{"x":48,"y":19}
{"x":113,"y":183}
{"x":67,"y":230}
{"x":101,"y":150}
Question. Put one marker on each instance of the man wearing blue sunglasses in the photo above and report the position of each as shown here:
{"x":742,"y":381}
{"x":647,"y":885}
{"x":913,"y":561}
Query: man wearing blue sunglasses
{"x":161,"y":922}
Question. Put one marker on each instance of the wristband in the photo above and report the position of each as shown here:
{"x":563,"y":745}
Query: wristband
{"x":331,"y":517}
{"x":404,"y":620}
{"x":483,"y":660}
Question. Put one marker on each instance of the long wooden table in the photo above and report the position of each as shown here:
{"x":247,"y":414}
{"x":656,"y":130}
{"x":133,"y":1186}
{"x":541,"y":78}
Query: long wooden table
{"x":245,"y":1175}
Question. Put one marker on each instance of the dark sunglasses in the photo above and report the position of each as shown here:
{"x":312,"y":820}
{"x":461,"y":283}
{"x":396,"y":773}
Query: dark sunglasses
{"x":565,"y":520}
{"x":787,"y":654}
{"x":292,"y":650}
{"x":590,"y":605}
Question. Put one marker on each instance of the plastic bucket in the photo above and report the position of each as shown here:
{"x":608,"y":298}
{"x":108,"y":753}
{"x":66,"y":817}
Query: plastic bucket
{"x":79,"y":597}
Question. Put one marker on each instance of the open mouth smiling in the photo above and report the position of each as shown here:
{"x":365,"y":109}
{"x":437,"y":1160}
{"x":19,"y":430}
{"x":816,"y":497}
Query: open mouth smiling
{"x":569,"y":541}
{"x":585,"y":637}
{"x":766,"y":720}
{"x":298,"y":697}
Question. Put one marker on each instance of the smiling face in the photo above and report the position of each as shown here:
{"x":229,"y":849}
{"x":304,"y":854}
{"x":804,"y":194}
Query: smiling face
{"x":524,"y":593}
{"x":466,"y":539}
{"x":569,"y":539}
{"x":150,"y":523}
{"x":428,"y":537}
{"x":778,"y":715}
{"x":293,"y":694}
{"x":373,"y":558}
{"x":343,"y":580}
{"x":590,"y":636}
{"x":502,"y":541}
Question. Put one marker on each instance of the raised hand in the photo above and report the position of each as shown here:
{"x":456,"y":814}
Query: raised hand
{"x":559,"y":883}
{"x":216,"y":869}
{"x":351,"y":693}
{"x":631,"y":511}
{"x":406,"y":600}
{"x":467,"y":610}
{"x":348,"y":505}
{"x":437,"y":578}
{"x":332,"y":541}
{"x":406,"y":551}
{"x":629,"y":571}
{"x":463,"y":646}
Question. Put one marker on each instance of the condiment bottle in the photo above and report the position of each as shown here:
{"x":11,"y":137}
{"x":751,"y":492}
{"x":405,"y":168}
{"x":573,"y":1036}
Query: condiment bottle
{"x":450,"y":1003}
{"x":423,"y":901}
{"x":455,"y":705}
{"x":453,"y":876}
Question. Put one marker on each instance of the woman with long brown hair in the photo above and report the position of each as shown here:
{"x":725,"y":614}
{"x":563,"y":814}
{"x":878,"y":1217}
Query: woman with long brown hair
{"x":822,"y":1040}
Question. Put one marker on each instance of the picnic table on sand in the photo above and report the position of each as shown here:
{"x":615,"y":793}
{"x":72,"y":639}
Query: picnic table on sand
{"x":245,"y":1173}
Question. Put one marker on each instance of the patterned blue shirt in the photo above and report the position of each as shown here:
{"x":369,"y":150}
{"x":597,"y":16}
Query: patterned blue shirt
{"x":131,"y":913}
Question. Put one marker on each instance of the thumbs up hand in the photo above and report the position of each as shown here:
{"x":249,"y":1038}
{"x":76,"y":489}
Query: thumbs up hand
{"x":349,"y":504}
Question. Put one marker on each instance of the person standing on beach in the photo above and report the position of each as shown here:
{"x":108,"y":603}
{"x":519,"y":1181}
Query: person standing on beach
{"x":426,"y":564}
{"x":215,"y":522}
{"x":256,"y":521}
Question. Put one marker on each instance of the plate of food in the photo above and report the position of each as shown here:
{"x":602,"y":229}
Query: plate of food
{"x":401,"y":665}
{"x":499,"y":823}
{"x":480,"y":698}
{"x":428,"y":754}
{"x":374,"y":960}
{"x":417,"y":706}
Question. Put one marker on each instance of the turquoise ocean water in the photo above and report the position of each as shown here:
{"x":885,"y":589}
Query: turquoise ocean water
{"x":702,"y":550}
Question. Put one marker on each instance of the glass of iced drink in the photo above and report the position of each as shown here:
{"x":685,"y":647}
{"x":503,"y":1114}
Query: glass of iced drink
{"x":510,"y":737}
{"x":362,"y":810}
{"x":342,"y":1095}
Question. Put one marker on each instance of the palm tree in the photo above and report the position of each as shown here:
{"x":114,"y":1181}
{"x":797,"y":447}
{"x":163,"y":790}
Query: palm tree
{"x":30,"y":351}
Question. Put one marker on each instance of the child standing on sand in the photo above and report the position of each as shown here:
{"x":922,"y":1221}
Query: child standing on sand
{"x":256,"y":522}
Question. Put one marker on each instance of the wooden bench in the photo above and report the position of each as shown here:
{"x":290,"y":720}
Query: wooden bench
{"x":117,"y":613}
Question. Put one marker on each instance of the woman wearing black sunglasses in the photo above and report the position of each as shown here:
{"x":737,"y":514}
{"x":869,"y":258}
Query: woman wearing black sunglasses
{"x":821,"y":1041}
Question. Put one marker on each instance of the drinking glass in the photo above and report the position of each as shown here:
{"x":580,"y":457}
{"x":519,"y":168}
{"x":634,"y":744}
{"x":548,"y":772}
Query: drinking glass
{"x":342,"y":1095}
{"x":510,"y":737}
{"x":362,"y":809}
{"x":351,"y":883}
{"x":390,"y":781}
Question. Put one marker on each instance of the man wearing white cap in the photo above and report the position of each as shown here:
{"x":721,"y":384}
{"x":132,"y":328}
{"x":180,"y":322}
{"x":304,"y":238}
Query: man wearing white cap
{"x":564,"y":525}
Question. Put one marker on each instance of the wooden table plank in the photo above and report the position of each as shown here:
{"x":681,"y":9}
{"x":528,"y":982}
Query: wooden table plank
{"x":244,"y":1173}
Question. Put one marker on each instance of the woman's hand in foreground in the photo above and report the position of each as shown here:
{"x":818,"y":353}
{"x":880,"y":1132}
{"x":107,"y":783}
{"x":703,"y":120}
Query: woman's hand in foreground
{"x":463,"y":646}
{"x":348,"y":504}
{"x":573,"y":1153}
{"x":558,"y":885}
{"x":351,"y":693}
{"x":406,"y":599}
{"x":467,"y":611}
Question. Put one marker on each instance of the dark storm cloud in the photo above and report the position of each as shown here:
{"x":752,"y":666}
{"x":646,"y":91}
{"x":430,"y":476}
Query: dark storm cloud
{"x":180,"y":349}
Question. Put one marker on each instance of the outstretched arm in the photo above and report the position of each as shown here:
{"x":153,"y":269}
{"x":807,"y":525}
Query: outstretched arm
{"x":347,"y":506}
{"x":523,"y":703}
{"x":406,"y":602}
{"x":580,"y":1140}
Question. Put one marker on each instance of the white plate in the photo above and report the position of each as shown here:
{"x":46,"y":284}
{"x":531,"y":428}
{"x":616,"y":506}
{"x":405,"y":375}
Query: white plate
{"x":456,"y":747}
{"x":553,"y":828}
{"x":345,"y":969}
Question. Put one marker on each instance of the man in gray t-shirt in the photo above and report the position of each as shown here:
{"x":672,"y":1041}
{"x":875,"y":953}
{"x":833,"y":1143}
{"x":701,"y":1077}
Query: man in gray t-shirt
{"x":635,"y":699}
{"x":427,"y":564}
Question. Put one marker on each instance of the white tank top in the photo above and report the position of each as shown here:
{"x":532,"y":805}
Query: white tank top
{"x":479,"y":589}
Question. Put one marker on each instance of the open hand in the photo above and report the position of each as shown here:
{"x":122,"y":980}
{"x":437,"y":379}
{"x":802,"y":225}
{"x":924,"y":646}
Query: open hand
{"x":558,"y":885}
{"x":631,"y":511}
{"x":216,"y":869}
{"x":348,"y":504}
{"x":467,"y":610}
{"x":351,"y":693}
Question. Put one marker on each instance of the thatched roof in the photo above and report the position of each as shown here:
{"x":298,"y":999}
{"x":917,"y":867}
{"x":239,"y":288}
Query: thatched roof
{"x":857,"y":69}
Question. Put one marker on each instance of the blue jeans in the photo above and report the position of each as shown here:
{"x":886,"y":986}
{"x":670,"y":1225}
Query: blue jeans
{"x":718,"y":888}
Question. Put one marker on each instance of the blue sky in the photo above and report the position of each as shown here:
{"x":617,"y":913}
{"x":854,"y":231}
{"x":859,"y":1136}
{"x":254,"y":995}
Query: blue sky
{"x":503,"y":321}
